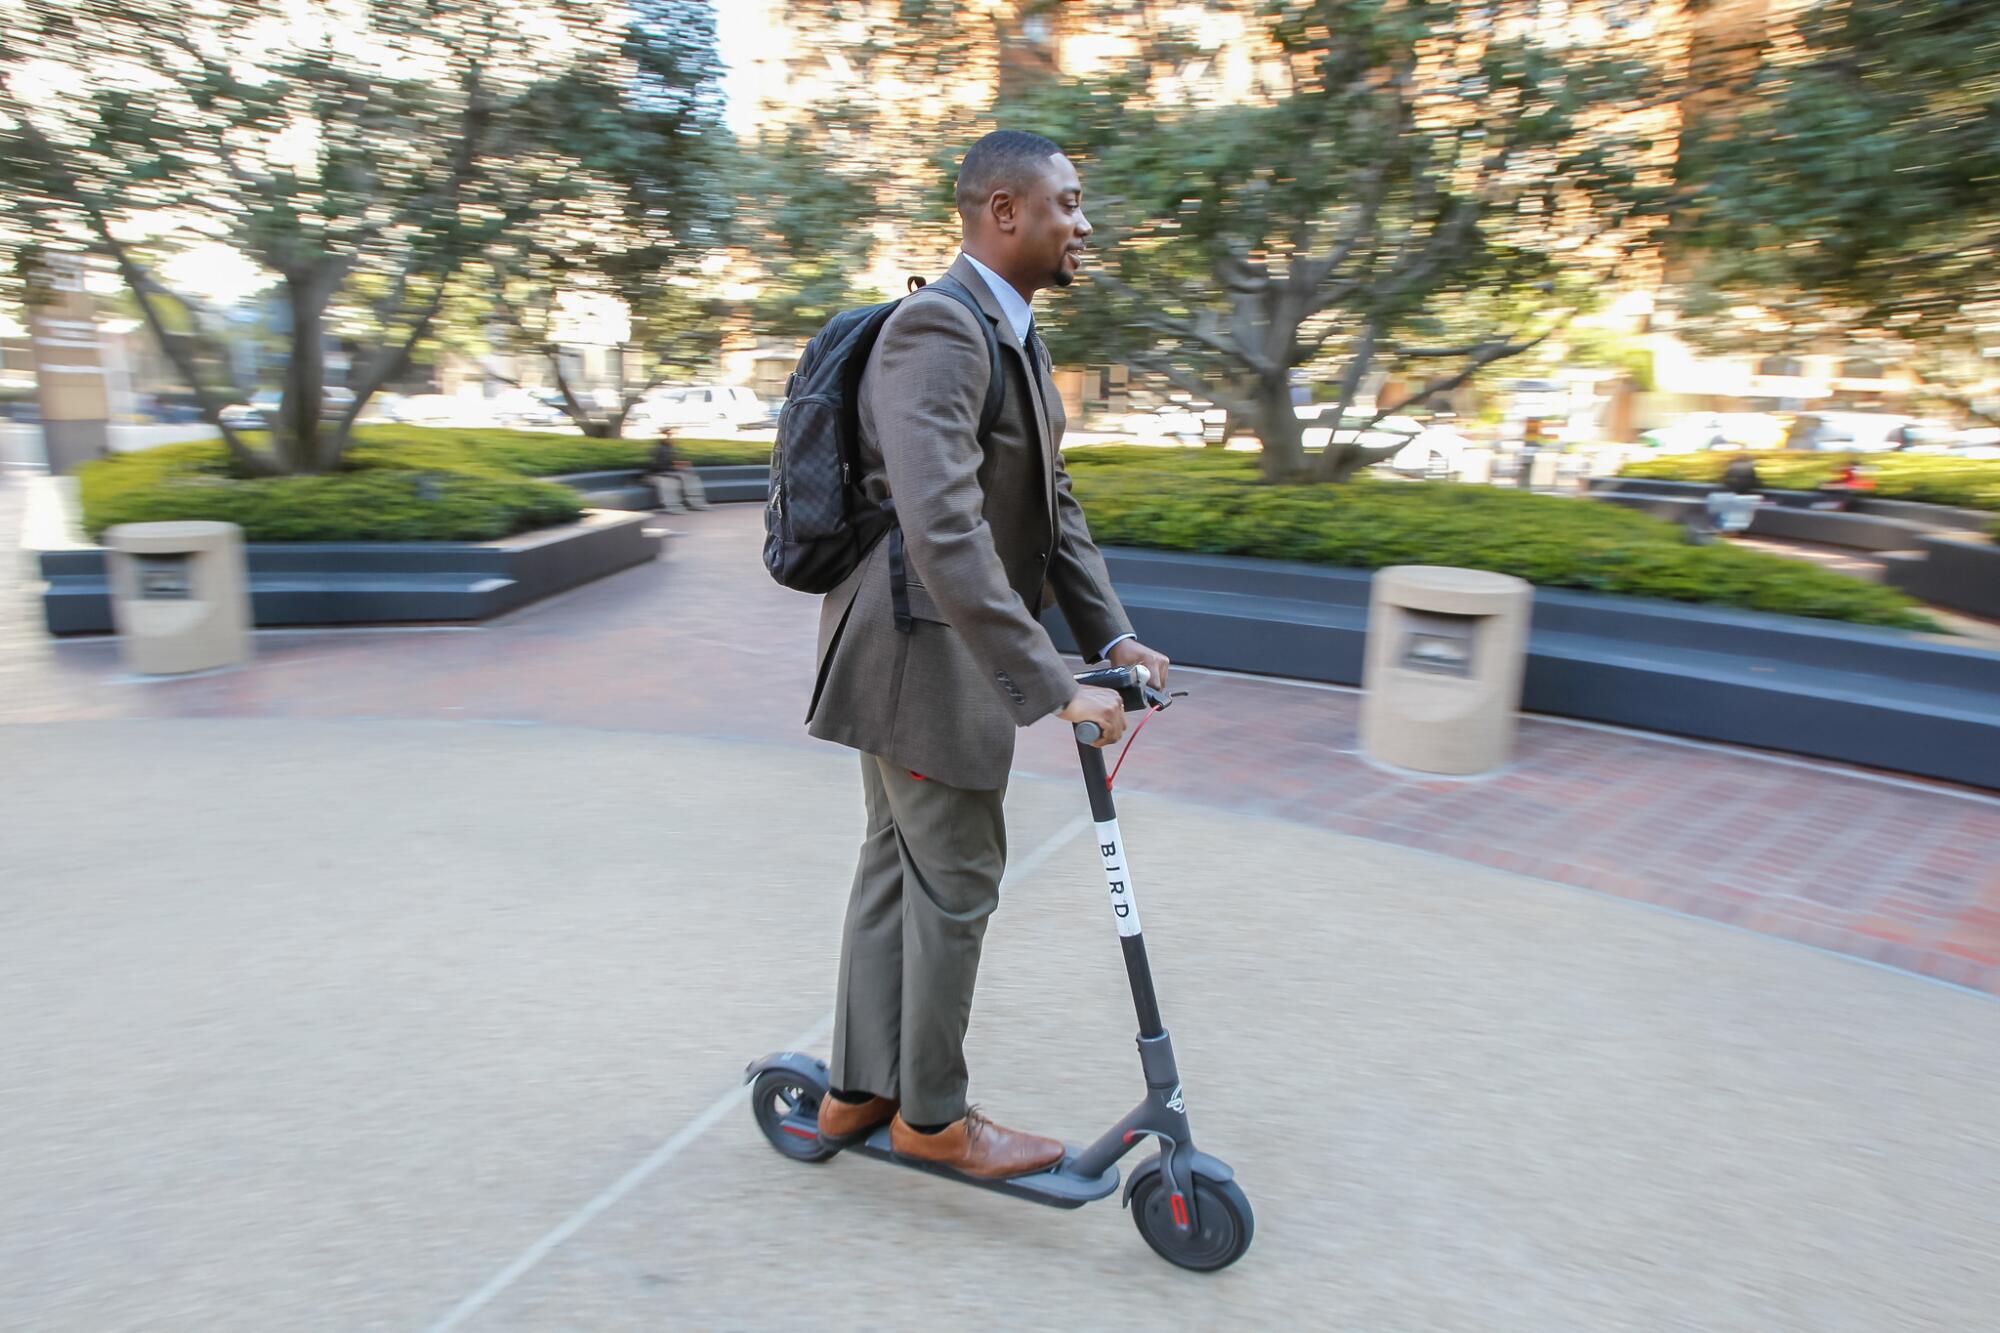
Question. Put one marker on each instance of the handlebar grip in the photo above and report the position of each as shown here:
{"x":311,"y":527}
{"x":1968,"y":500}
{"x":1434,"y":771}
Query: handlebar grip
{"x":1088,"y":732}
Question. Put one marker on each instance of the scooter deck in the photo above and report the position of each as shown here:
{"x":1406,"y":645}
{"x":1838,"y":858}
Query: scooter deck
{"x":1057,"y":1187}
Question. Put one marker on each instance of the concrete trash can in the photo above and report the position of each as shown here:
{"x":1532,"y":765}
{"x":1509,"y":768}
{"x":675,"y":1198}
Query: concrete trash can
{"x":180,"y":597}
{"x":1447,"y":649}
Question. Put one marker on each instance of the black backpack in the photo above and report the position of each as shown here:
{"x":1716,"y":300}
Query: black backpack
{"x":818,"y":525}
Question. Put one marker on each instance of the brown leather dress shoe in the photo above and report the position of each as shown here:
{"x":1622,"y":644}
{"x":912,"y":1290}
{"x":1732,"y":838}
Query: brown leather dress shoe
{"x":842,"y":1123}
{"x":975,"y":1146}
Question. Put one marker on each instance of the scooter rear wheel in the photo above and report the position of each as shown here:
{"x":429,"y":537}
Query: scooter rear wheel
{"x":787,"y":1110}
{"x":1223,"y":1220}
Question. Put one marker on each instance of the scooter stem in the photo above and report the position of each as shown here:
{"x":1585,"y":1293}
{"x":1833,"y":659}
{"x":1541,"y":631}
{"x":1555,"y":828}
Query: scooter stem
{"x":1118,"y":878}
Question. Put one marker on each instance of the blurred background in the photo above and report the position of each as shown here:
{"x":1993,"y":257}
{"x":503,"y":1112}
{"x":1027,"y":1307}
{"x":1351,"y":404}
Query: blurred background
{"x":1405,"y":231}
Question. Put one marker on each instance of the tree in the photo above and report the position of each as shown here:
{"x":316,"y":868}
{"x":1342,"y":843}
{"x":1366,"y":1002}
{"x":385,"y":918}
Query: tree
{"x":886,"y":94}
{"x":360,"y":151}
{"x":876,"y":92}
{"x":655,"y":159}
{"x":1417,"y":188}
{"x":805,"y":221}
{"x":1845,"y":186}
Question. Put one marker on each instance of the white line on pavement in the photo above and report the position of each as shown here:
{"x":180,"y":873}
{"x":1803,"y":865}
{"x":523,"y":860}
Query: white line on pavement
{"x":688,"y":1133}
{"x":624,"y":1185}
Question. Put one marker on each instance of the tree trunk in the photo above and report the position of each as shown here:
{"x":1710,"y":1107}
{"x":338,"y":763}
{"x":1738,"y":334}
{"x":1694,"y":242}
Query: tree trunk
{"x":1280,"y":429}
{"x":295,"y":434}
{"x":593,"y":426}
{"x":1342,"y":461}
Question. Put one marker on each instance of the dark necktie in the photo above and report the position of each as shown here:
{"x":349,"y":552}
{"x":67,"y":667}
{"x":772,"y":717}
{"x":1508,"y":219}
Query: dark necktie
{"x":1038,"y":360}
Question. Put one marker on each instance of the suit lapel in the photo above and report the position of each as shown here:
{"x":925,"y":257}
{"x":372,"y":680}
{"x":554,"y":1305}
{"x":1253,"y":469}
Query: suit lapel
{"x":970,"y":278}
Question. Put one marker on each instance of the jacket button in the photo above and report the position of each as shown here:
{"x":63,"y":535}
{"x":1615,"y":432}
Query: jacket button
{"x":1045,"y":557}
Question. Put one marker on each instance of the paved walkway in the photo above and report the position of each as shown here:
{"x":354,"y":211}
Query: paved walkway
{"x":403,"y":980}
{"x":701,"y":643}
{"x":408,"y":1025}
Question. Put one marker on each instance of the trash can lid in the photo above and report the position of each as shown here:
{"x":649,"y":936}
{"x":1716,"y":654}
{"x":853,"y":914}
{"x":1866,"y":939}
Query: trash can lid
{"x":181,"y":535}
{"x":1454,"y":591}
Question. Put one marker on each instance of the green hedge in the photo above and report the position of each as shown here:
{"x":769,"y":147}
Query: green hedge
{"x":541,"y":453}
{"x":1967,"y":483}
{"x":715,"y":453}
{"x":429,"y":492}
{"x":1212,"y":502}
{"x":396,"y":483}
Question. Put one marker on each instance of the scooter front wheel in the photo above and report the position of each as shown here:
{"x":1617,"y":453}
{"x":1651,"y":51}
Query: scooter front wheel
{"x":1223,"y":1220}
{"x":787,"y":1108}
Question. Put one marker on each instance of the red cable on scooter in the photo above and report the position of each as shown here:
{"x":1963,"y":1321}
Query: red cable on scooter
{"x":1112,"y":781}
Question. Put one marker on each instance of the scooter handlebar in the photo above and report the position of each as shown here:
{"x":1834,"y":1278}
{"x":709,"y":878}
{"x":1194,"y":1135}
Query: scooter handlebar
{"x":1116,"y":678}
{"x":1134,"y":686}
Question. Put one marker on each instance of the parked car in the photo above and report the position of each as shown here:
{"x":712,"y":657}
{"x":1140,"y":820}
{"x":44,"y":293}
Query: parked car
{"x":696,"y":407}
{"x":171,"y":407}
{"x":1171,"y":422}
{"x":255,"y":414}
{"x":523,"y":409}
{"x":1435,"y":451}
{"x":1978,"y":442}
{"x":264,"y":406}
{"x":441,"y":409}
{"x":1863,"y":432}
{"x":1698,"y":431}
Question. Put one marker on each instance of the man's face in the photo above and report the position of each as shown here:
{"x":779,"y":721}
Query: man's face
{"x":1053,"y":229}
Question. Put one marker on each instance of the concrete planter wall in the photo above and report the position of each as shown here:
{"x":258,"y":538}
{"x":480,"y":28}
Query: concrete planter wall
{"x":339,"y":583}
{"x":1785,"y":515}
{"x":1918,"y":515}
{"x":1957,"y":570}
{"x":628,"y":489}
{"x":1936,"y":553}
{"x":1883,"y":698}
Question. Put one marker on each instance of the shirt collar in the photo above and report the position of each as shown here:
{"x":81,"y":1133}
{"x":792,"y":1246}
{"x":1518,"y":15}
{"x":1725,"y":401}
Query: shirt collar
{"x":1019,"y":315}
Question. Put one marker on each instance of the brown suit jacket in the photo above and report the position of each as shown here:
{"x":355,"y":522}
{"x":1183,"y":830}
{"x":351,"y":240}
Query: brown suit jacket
{"x":986,"y":531}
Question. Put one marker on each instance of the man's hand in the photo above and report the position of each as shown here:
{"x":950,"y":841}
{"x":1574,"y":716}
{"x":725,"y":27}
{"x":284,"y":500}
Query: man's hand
{"x":1093,"y":703}
{"x":1133,"y":653}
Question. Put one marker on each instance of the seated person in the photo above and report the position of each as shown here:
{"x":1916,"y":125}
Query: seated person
{"x":674,"y":478}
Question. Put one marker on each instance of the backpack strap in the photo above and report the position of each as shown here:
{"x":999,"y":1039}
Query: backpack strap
{"x":996,"y":397}
{"x":996,"y":382}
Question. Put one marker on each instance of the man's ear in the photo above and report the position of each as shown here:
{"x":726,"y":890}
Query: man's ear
{"x":1002,"y":206}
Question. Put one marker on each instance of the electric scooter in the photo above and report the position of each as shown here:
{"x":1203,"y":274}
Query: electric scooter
{"x":1186,"y":1203}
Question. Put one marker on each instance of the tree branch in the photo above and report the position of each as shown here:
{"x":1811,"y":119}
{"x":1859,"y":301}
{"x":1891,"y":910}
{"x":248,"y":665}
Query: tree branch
{"x":1357,"y":367}
{"x":1239,"y":274}
{"x":140,"y":283}
{"x":571,"y":403}
{"x":259,"y":184}
{"x":1192,"y":330}
{"x":1182,"y":378}
{"x":1493,"y":352}
{"x":389,"y":364}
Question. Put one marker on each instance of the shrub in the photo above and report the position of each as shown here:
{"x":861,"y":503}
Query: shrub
{"x":543,"y":454}
{"x":1211,"y":501}
{"x":431,"y":493}
{"x":396,"y":483}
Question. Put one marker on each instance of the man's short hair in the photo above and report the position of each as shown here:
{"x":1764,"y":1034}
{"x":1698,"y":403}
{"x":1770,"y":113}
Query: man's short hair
{"x":1004,"y":160}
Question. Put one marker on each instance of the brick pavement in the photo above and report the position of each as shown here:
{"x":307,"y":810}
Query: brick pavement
{"x":1899,"y":872}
